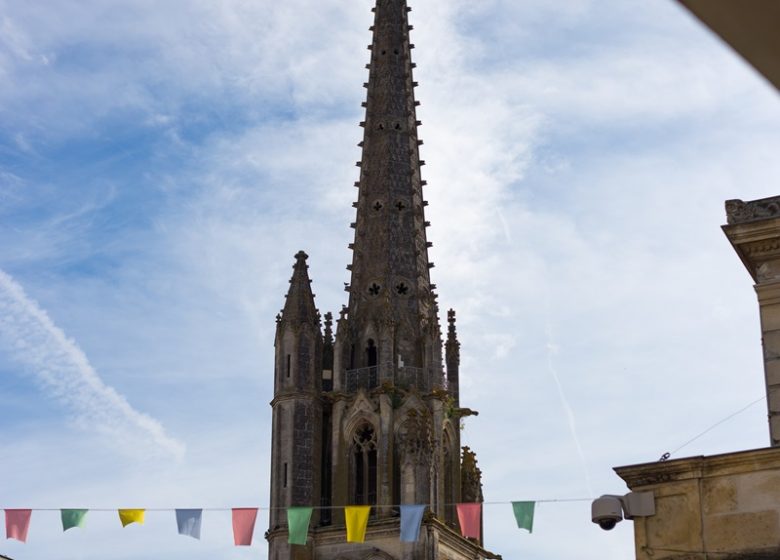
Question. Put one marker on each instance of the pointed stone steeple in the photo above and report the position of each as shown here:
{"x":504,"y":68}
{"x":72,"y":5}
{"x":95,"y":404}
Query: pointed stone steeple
{"x":452,"y":357}
{"x":296,"y":470}
{"x":390,"y":287}
{"x":299,"y":306}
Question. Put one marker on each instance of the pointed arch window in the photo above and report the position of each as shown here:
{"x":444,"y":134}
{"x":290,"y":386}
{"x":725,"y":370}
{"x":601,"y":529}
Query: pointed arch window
{"x":371,"y":353}
{"x":364,"y":465}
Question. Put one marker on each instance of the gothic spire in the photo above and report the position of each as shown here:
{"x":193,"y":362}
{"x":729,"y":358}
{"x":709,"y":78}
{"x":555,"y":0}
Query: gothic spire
{"x":452,"y":357}
{"x":390,"y":254}
{"x":299,"y":306}
{"x":452,"y":331}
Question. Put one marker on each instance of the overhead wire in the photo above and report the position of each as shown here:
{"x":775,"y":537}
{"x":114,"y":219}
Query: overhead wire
{"x":668,"y":454}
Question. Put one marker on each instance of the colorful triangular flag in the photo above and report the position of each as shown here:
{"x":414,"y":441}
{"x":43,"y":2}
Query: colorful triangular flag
{"x":17,"y":523}
{"x":524,"y":515}
{"x":357,"y":519}
{"x":469,"y":516}
{"x":128,"y":516}
{"x":244,"y":525}
{"x":188,"y":522}
{"x":298,"y":519}
{"x":411,"y":519}
{"x":73,"y":518}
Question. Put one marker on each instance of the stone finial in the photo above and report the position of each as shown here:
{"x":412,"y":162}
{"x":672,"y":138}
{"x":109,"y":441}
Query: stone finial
{"x":301,"y":256}
{"x":328,"y":337}
{"x":451,"y":330}
{"x":470,"y":477}
{"x":452,"y":350}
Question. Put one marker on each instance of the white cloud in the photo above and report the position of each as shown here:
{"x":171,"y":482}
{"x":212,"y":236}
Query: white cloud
{"x":578,"y":154}
{"x":65,"y":373}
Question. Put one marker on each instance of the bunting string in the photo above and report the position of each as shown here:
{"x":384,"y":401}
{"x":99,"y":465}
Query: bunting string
{"x":315,"y":508}
{"x":189,"y":521}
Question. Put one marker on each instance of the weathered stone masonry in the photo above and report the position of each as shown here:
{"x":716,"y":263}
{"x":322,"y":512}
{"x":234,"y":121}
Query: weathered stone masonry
{"x":368,"y":415}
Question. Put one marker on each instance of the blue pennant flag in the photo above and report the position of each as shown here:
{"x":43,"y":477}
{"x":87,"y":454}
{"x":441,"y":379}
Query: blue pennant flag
{"x":188,"y":521}
{"x":411,"y":518}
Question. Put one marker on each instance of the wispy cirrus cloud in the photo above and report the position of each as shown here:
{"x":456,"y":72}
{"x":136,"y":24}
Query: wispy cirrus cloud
{"x":161,"y":164}
{"x":64,"y":372}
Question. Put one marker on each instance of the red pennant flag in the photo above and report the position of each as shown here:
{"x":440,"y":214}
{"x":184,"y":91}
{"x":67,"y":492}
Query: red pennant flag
{"x":17,"y":522}
{"x":243,"y":525}
{"x":469,"y":516}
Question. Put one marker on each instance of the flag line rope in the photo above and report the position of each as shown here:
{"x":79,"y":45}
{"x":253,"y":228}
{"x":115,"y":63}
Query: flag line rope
{"x":542,"y":501}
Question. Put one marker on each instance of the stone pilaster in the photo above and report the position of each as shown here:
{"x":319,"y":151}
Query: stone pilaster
{"x":769,"y":306}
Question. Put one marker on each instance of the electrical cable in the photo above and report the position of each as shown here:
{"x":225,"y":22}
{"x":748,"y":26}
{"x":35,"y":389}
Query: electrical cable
{"x":668,"y":454}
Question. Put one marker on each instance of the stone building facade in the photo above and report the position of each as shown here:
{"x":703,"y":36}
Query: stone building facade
{"x":721,"y":507}
{"x":368,"y":414}
{"x":754,"y":231}
{"x":725,"y":507}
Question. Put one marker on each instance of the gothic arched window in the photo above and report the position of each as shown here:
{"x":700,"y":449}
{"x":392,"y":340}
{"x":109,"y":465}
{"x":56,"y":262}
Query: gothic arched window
{"x":371,"y":353}
{"x":364,"y":474}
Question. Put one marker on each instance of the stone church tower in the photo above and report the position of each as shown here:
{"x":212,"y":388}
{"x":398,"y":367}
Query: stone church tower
{"x":369,"y":416}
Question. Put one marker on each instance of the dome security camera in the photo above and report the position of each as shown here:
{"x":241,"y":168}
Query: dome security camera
{"x":607,"y":511}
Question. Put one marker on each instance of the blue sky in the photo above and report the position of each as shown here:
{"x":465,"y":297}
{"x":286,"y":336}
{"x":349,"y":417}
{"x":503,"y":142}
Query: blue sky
{"x":162,"y":162}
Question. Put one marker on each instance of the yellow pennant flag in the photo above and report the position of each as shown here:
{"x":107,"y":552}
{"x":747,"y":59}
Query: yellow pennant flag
{"x":357,"y":519}
{"x":128,"y":516}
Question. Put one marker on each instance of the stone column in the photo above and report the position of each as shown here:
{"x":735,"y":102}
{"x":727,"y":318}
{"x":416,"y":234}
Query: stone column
{"x":769,"y":305}
{"x":754,"y":230}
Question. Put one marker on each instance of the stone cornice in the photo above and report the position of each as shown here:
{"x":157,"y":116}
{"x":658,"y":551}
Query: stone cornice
{"x":296,"y":396}
{"x":436,"y":393}
{"x":752,"y":232}
{"x":650,"y":474}
{"x":756,"y":242}
{"x":768,"y":292}
{"x":762,"y":249}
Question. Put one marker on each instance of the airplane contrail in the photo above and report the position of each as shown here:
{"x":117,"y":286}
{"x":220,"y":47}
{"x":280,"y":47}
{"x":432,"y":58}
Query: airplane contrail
{"x":551,"y":349}
{"x":64,"y":372}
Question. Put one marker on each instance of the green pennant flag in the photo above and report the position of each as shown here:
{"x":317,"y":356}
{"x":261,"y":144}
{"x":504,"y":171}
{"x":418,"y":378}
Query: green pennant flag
{"x":73,"y":518}
{"x":298,"y":519}
{"x":524,"y":515}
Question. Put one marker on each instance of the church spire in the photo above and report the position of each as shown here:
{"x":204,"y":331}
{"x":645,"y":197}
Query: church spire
{"x":299,"y":305}
{"x":390,"y":267}
{"x":452,"y":357}
{"x":296,"y":477}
